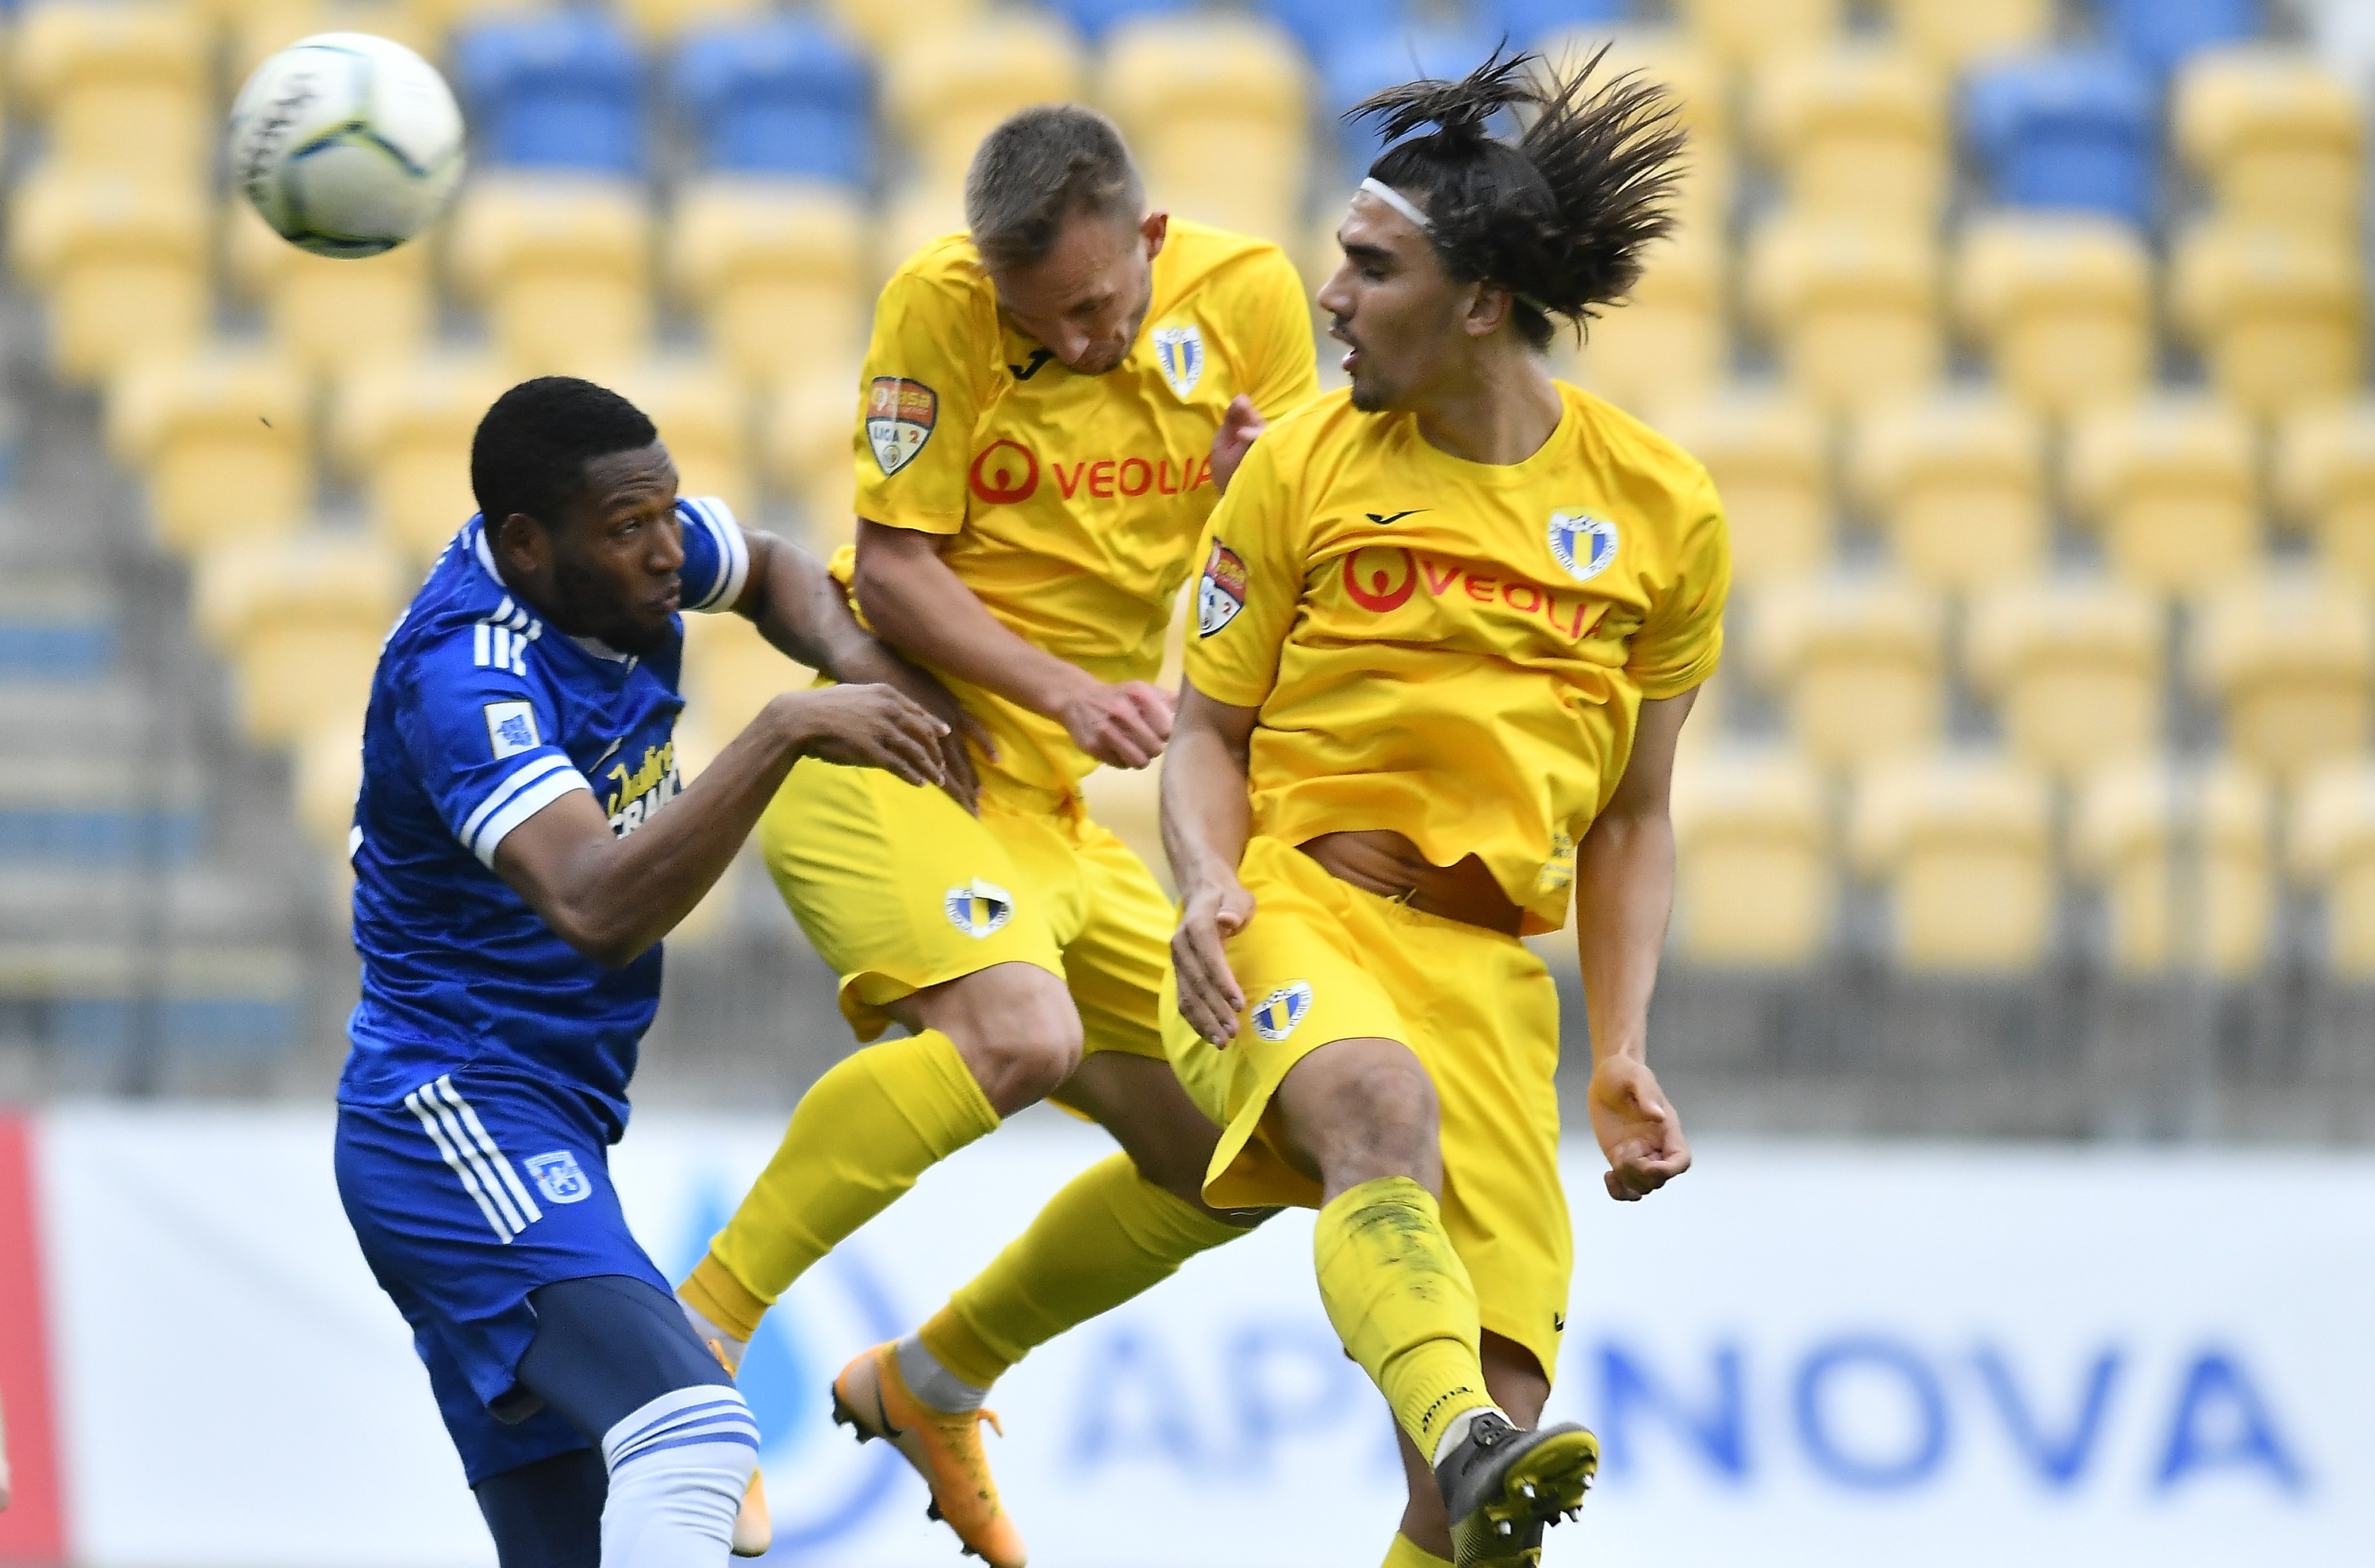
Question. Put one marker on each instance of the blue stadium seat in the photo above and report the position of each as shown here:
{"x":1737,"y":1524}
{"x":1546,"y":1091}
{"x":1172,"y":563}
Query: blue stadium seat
{"x":563,"y":91}
{"x":1527,"y":22}
{"x":1324,"y":27}
{"x":1384,"y":60}
{"x":1096,"y":18}
{"x":2160,"y":34}
{"x":782,"y":98}
{"x":2070,"y":130}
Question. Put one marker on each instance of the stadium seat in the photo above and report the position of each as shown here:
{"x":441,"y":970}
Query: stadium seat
{"x":558,"y":91}
{"x":1368,"y":63}
{"x":1754,"y":881}
{"x":704,"y":421}
{"x":2326,"y":482}
{"x":913,"y":219}
{"x":1745,"y":32}
{"x":1852,"y":308}
{"x":1322,"y":27}
{"x":2332,"y":847}
{"x":118,"y":87}
{"x":301,"y":619}
{"x":562,"y":265}
{"x":329,"y":315}
{"x":2168,"y":484}
{"x":223,"y":440}
{"x":260,"y":28}
{"x":404,"y":430}
{"x":1215,"y":112}
{"x":1667,"y":340}
{"x":1701,"y":86}
{"x":123,"y":263}
{"x":1952,"y":33}
{"x":1958,"y":484}
{"x":2163,"y":34}
{"x":2282,"y":319}
{"x":1768,"y":455}
{"x":731,"y":672}
{"x":1963,"y":844}
{"x":944,"y":92}
{"x":786,"y":99}
{"x":676,"y":18}
{"x":1096,"y":19}
{"x":776,"y":270}
{"x":1526,"y":22}
{"x":329,"y":774}
{"x":806,"y":445}
{"x":1857,"y":662}
{"x":1857,"y":132}
{"x":2290,"y":658}
{"x":2062,"y":303}
{"x":2193,"y":845}
{"x":2279,"y":138}
{"x":887,"y":29}
{"x":2067,"y":130}
{"x":2075,"y":668}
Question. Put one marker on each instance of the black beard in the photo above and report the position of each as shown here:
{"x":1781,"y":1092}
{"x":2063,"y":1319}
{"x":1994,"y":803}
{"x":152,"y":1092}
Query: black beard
{"x":577,"y":586}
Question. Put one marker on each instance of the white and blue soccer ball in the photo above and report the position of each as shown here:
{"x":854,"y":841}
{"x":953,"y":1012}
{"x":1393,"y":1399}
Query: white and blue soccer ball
{"x":348,"y":145}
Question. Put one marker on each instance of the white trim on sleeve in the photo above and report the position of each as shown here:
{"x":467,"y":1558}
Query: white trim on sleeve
{"x":733,"y":551}
{"x":521,"y":807}
{"x":529,"y":772}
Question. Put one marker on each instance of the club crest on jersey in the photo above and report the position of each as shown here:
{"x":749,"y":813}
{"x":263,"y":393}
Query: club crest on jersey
{"x":900,"y":415}
{"x":559,"y":1176}
{"x":1278,"y":1013}
{"x":1180,"y":351}
{"x":511,"y":729}
{"x":1584,"y":544}
{"x":979,"y":908}
{"x":1222,"y":593}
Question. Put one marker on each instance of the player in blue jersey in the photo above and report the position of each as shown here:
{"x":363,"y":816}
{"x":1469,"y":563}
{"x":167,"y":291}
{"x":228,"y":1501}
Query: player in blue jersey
{"x":522,"y":842}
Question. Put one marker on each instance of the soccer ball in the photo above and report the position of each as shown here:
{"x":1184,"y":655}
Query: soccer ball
{"x":348,"y":145}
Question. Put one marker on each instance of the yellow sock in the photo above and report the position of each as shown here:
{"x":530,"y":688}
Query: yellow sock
{"x":857,"y":1140}
{"x":1407,"y":1553}
{"x":1109,"y":1236}
{"x":1402,"y":1302}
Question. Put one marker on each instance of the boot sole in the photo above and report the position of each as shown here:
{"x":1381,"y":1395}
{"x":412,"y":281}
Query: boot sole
{"x":1541,"y":1486}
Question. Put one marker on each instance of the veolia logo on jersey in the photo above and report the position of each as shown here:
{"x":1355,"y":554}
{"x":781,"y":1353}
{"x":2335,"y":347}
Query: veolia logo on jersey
{"x":1006,"y":474}
{"x":1583,"y":544}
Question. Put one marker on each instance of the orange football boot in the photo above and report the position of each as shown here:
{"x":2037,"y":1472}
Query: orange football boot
{"x":872,"y":1398}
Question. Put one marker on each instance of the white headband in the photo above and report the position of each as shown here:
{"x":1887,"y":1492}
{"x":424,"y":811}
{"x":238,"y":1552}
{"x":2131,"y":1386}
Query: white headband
{"x":1411,"y":210}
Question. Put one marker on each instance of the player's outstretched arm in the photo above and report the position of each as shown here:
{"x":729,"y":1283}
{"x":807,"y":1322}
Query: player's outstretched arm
{"x":799,"y":608}
{"x":1624,"y":894}
{"x":925,"y":610}
{"x":611,"y":898}
{"x":1206,"y":816}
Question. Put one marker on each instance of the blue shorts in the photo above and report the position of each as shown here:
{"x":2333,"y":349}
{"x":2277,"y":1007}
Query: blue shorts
{"x":476,"y":1189}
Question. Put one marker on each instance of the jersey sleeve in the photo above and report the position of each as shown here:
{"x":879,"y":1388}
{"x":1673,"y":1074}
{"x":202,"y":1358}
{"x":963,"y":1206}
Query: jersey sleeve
{"x":717,"y":556}
{"x":920,"y":400}
{"x":481,"y":733}
{"x":1681,"y":638}
{"x":1251,"y":584}
{"x":1285,"y":359}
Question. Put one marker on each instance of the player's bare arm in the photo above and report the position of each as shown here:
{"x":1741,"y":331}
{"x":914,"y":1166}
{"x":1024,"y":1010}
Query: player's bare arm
{"x":1205,"y":819}
{"x":1625,"y":893}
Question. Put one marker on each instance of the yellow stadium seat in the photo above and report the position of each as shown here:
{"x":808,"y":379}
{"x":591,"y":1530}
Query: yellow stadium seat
{"x":1666,"y":341}
{"x":1216,"y":111}
{"x":806,"y":443}
{"x":123,"y":264}
{"x":2075,"y":668}
{"x":946,"y":90}
{"x":1753,"y":882}
{"x":778,"y":271}
{"x":2280,"y":317}
{"x":2279,"y":138}
{"x":915,"y":218}
{"x":329,"y":759}
{"x":1857,"y":131}
{"x":1852,"y":307}
{"x":562,"y":267}
{"x":1857,"y":661}
{"x":2291,"y":659}
{"x":1958,"y":484}
{"x":2168,"y":483}
{"x":731,"y":672}
{"x":1951,"y":33}
{"x":890,"y":29}
{"x":260,"y":28}
{"x":120,"y":87}
{"x":1964,"y":846}
{"x":2184,"y":858}
{"x":2325,"y":481}
{"x":666,"y":18}
{"x":405,"y":431}
{"x":1768,"y":455}
{"x":1700,"y":84}
{"x":2332,"y":847}
{"x":224,"y":442}
{"x":328,"y":315}
{"x":704,"y":420}
{"x":1745,"y":32}
{"x":2062,"y":303}
{"x":301,"y":619}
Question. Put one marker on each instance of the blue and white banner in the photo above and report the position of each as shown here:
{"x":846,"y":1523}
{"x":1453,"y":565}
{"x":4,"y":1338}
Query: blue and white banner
{"x":1801,"y":1355}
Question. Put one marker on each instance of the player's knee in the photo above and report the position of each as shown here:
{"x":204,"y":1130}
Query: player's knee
{"x":1022,"y":1047}
{"x":1393,"y":1098}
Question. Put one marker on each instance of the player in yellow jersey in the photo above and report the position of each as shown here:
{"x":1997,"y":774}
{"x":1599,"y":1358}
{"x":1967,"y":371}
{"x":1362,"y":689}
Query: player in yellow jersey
{"x":1052,"y":403}
{"x":1450,"y":623}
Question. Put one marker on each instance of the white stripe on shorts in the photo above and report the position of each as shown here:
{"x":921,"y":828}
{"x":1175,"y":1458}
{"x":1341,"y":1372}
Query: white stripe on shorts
{"x":471,"y":1154}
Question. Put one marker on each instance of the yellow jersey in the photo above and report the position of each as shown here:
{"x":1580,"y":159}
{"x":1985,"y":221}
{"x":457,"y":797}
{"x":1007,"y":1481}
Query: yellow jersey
{"x":1456,"y":651}
{"x":1073,"y":502}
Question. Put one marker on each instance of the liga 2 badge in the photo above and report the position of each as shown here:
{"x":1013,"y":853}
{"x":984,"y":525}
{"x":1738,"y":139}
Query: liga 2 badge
{"x":1180,"y":351}
{"x":899,"y":419}
{"x":1222,"y":592}
{"x":1583,"y":544}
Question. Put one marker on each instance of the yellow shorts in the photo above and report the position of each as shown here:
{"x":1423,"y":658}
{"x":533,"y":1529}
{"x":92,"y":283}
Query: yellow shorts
{"x":898,"y":887}
{"x":1322,"y":960}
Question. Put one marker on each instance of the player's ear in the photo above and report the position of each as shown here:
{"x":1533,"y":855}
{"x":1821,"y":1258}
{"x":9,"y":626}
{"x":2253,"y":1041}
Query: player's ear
{"x":1154,"y":229}
{"x":1487,"y":307}
{"x":522,"y":544}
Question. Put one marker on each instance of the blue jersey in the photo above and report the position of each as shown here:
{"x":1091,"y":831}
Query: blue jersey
{"x":480,"y":717}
